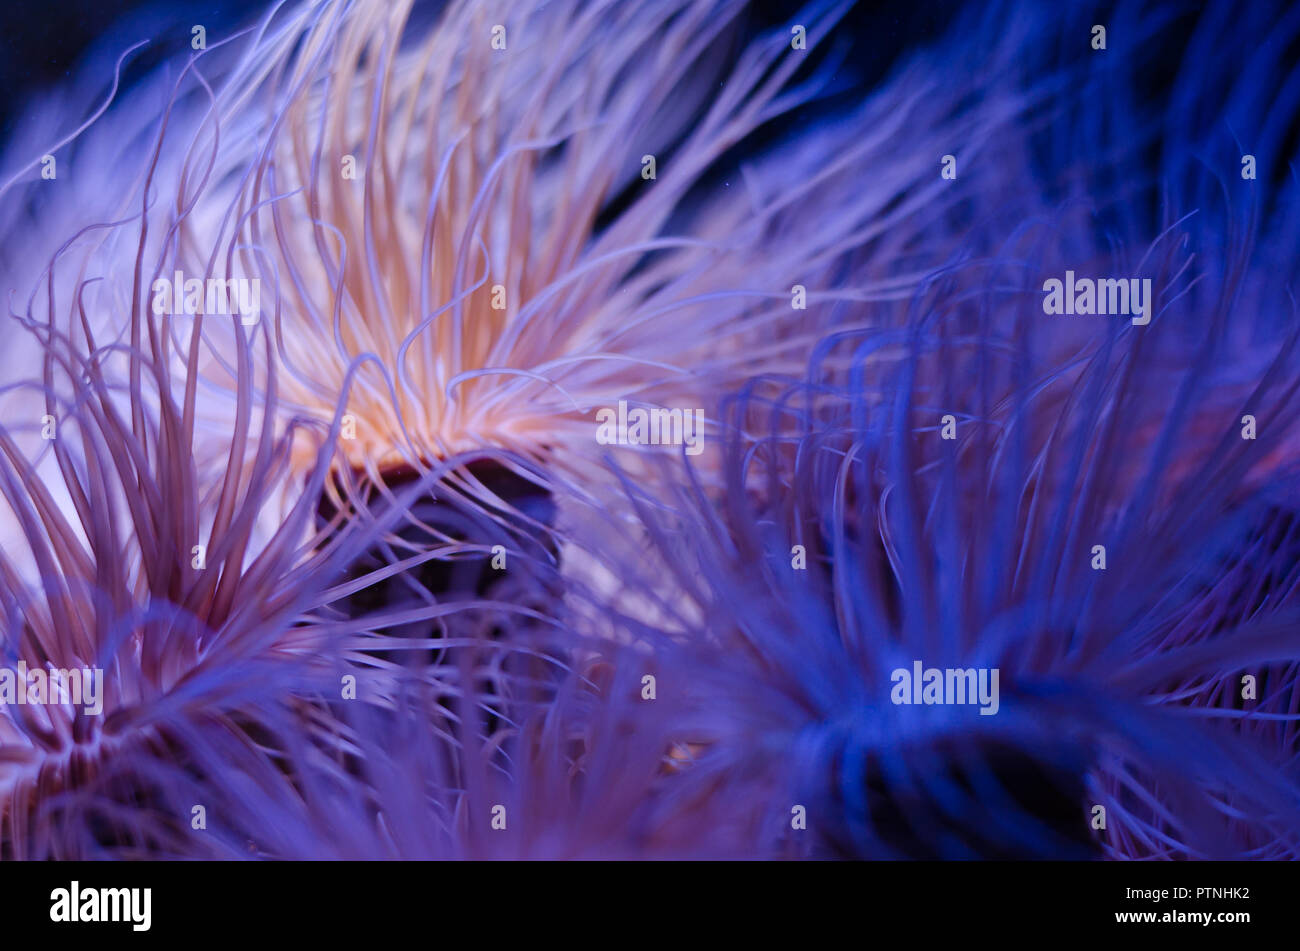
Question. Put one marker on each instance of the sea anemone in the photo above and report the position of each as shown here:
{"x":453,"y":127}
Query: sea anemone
{"x":1084,"y":505}
{"x":1120,"y":596}
{"x":215,"y":656}
{"x":318,"y":487}
{"x":474,"y":234}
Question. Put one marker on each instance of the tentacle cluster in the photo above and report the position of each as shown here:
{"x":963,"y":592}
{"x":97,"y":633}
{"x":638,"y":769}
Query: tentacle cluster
{"x":363,"y":582}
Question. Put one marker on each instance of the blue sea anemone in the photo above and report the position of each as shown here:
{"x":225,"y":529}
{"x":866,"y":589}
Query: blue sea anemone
{"x":1098,"y":509}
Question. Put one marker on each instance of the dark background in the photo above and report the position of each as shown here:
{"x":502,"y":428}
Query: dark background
{"x":42,"y":41}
